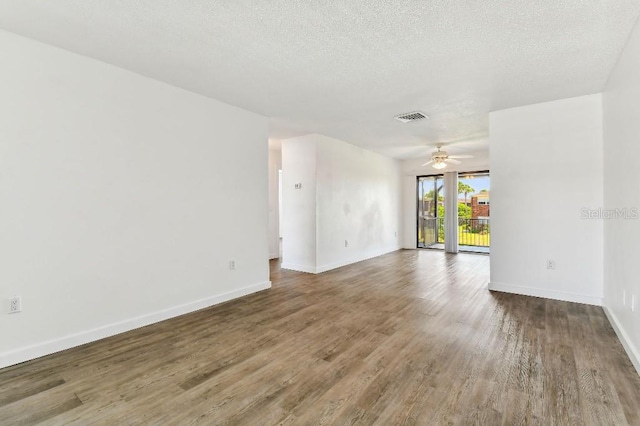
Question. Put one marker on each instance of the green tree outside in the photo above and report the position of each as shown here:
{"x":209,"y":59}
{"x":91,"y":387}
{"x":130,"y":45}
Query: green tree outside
{"x":465,"y":189}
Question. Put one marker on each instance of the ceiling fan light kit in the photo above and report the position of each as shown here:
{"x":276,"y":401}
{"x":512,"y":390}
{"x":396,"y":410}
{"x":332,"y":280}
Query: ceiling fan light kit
{"x":440,"y":159}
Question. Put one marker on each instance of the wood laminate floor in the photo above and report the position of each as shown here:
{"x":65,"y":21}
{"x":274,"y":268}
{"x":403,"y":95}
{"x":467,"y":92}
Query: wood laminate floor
{"x":412,"y":337}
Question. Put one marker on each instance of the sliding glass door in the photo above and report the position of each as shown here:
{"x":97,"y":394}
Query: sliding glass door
{"x":430,"y":211}
{"x":473,"y":202}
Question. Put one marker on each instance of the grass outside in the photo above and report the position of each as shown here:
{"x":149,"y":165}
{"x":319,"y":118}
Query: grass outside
{"x":465,"y":238}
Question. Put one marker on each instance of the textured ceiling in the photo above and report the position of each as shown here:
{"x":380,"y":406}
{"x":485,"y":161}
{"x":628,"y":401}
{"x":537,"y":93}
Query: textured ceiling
{"x":345,"y":68}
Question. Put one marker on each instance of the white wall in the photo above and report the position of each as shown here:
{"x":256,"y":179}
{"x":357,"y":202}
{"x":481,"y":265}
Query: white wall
{"x":347,"y":193}
{"x":409,"y":212}
{"x":546,"y":166}
{"x":274,"y":213}
{"x":358,"y":200}
{"x":621,"y":181}
{"x":123,"y":200}
{"x":299,"y":205}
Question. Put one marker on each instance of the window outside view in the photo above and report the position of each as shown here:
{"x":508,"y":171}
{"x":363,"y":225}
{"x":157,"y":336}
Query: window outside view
{"x":474,"y":203}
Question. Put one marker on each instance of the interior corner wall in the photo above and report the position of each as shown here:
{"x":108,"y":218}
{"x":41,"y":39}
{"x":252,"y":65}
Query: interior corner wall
{"x":622,"y":231}
{"x":299,"y":204}
{"x":348,"y":208}
{"x":546,"y":175}
{"x":274,"y":205}
{"x":123,"y":200}
{"x":359,"y":202}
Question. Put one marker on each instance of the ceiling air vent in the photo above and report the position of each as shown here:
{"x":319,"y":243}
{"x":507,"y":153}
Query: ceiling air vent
{"x":411,"y":116}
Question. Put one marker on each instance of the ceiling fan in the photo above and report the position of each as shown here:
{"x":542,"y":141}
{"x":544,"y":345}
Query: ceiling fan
{"x":439,"y":158}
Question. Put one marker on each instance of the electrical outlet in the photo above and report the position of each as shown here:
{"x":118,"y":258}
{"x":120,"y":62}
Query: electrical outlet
{"x":624,"y":298}
{"x":551,"y":264}
{"x":232,"y":265}
{"x":395,"y":234}
{"x":346,"y":243}
{"x":15,"y":305}
{"x":298,"y":186}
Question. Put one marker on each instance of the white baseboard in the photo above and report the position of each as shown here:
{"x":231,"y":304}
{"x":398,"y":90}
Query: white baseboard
{"x":632,"y":351}
{"x":366,"y":256}
{"x":299,"y":268}
{"x":546,"y":294}
{"x":334,"y":265}
{"x":55,"y":345}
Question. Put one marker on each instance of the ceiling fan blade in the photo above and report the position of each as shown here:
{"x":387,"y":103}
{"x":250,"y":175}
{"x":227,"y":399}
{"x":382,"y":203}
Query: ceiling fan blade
{"x":427,"y":163}
{"x":452,"y":161}
{"x":461,"y":156}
